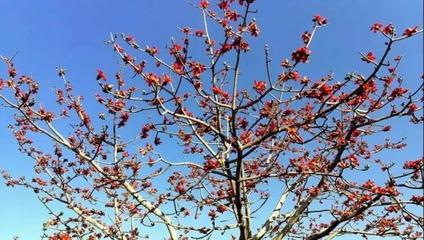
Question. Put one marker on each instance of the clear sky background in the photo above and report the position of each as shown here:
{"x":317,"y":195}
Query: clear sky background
{"x":71,"y":34}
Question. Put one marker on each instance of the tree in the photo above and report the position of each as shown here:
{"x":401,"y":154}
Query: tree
{"x":284,"y":157}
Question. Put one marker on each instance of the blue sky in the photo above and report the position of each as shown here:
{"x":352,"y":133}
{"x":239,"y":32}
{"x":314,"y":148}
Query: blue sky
{"x":71,"y":34}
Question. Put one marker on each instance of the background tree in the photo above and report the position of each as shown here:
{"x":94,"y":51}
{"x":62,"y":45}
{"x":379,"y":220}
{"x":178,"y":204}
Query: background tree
{"x":285,"y":156}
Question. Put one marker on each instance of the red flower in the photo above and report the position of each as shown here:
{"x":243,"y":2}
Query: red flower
{"x":412,"y":108}
{"x":212,"y":214}
{"x":231,"y":15}
{"x":285,"y":63}
{"x":376,"y":27}
{"x":253,"y":29}
{"x":180,"y":188}
{"x":178,"y":67}
{"x":223,"y":5}
{"x":217,"y":90}
{"x":413,"y":164}
{"x":293,"y":75}
{"x":152,"y":79}
{"x":167,"y":79}
{"x":129,"y":39}
{"x":356,"y":133}
{"x":61,"y":236}
{"x":204,"y":4}
{"x":389,"y":29}
{"x":370,"y":57}
{"x":118,"y":48}
{"x":353,"y":160}
{"x":417,"y":199}
{"x":175,"y":49}
{"x":259,"y":86}
{"x":152,"y":50}
{"x":320,"y":21}
{"x":186,"y":30}
{"x":197,"y":69}
{"x":241,"y":44}
{"x":245,"y":137}
{"x":301,"y":54}
{"x":306,"y":37}
{"x":150,"y":161}
{"x":398,"y":92}
{"x":387,"y":128}
{"x":12,"y":72}
{"x":368,"y":184}
{"x":101,"y":75}
{"x":211,"y":164}
{"x":123,"y":119}
{"x":410,"y":31}
{"x":225,"y":48}
{"x":199,"y":33}
{"x":242,"y":123}
{"x":314,"y":191}
{"x":304,"y":80}
{"x":221,"y":208}
{"x":128,"y":58}
{"x":197,"y":84}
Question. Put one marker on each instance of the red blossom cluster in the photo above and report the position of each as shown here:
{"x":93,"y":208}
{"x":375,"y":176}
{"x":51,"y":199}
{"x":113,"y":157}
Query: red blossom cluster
{"x":320,"y":21}
{"x":301,"y":55}
{"x":390,"y":30}
{"x":271,"y":158}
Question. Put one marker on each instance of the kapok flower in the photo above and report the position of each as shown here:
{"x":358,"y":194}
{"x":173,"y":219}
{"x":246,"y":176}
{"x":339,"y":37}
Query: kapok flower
{"x":370,"y":57}
{"x":223,"y":5}
{"x":410,"y":31}
{"x":320,"y":21}
{"x":306,"y":37}
{"x":217,"y":90}
{"x":293,"y":75}
{"x":152,"y":79}
{"x":389,"y":29}
{"x":204,"y":4}
{"x":301,"y":54}
{"x":253,"y":29}
{"x":259,"y":86}
{"x":130,"y":39}
{"x":167,"y":79}
{"x":101,"y":75}
{"x":199,"y":33}
{"x":246,"y":137}
{"x":376,"y":27}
